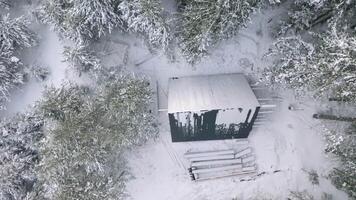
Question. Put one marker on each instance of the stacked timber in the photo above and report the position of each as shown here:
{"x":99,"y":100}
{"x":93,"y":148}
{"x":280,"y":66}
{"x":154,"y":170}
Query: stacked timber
{"x":223,"y":163}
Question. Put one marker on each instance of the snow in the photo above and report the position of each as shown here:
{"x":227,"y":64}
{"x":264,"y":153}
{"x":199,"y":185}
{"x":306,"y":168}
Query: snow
{"x":289,"y":141}
{"x":212,"y":92}
{"x":287,"y":145}
{"x":48,"y":54}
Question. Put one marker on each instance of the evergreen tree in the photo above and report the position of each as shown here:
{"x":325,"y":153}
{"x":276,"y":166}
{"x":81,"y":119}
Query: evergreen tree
{"x":5,"y":4}
{"x":80,"y":20}
{"x":203,"y":23}
{"x":82,"y":59}
{"x":11,"y":73}
{"x":325,"y":67}
{"x":146,"y":17}
{"x":344,"y":146}
{"x":82,"y":152}
{"x":312,"y":15}
{"x":18,"y":155}
{"x":14,"y":33}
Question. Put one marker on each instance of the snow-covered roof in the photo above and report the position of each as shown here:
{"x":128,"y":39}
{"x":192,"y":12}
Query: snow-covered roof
{"x":209,"y":92}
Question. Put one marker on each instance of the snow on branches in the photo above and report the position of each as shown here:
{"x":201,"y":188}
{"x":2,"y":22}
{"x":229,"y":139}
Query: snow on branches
{"x":205,"y":22}
{"x":82,"y":152}
{"x":5,"y":4}
{"x":327,"y":67}
{"x":14,"y":33}
{"x":146,"y":17}
{"x":80,"y":20}
{"x":314,"y":14}
{"x":18,"y":155}
{"x":343,"y":145}
{"x":11,"y":73}
{"x":81,"y":58}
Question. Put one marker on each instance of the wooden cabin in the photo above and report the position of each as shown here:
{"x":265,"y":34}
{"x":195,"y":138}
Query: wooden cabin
{"x":211,"y":107}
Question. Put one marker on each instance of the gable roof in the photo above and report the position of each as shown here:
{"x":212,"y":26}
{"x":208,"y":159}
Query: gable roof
{"x":210,"y":92}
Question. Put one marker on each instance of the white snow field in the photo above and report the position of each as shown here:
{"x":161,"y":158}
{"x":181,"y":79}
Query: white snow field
{"x":287,"y":145}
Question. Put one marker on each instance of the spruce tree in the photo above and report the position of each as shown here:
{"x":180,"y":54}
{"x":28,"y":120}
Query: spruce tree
{"x":19,"y":154}
{"x":147,"y":17}
{"x":80,"y":20}
{"x":203,"y":23}
{"x":91,"y":128}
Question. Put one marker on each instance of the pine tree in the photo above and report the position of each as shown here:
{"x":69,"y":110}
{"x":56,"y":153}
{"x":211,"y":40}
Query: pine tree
{"x":11,"y":74}
{"x":82,"y":59}
{"x":19,"y":155}
{"x":325,"y":67}
{"x":146,"y":17}
{"x":203,"y":23}
{"x":5,"y":4}
{"x":344,"y":146}
{"x":80,"y":20}
{"x":82,"y":152}
{"x":311,"y":15}
{"x":14,"y":33}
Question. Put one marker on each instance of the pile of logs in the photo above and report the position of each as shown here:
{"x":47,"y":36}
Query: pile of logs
{"x":217,"y":164}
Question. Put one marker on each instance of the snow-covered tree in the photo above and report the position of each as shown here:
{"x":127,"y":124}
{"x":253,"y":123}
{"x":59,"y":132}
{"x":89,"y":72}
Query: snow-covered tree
{"x":146,"y":17}
{"x":11,"y":73}
{"x":80,"y":20}
{"x":343,"y":145}
{"x":5,"y":4}
{"x":203,"y":23}
{"x":14,"y":33}
{"x":300,"y":195}
{"x":326,"y":67}
{"x":18,"y":155}
{"x":81,"y":58}
{"x":310,"y":14}
{"x":82,"y":152}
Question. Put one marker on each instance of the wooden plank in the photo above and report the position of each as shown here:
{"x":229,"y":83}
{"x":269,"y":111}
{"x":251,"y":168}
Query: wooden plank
{"x":222,"y":174}
{"x":248,"y":159}
{"x":268,"y":106}
{"x":208,"y":153}
{"x":242,"y":141}
{"x":243,"y":152}
{"x":217,"y":157}
{"x":216,"y":169}
{"x":216,"y":162}
{"x":265,"y":112}
{"x":250,"y":168}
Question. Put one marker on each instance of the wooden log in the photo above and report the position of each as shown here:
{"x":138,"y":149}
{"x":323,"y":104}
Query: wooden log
{"x":243,"y":152}
{"x":216,"y":162}
{"x":333,"y":117}
{"x":217,"y":169}
{"x":227,"y":173}
{"x":217,"y":157}
{"x":338,"y":99}
{"x":208,"y":153}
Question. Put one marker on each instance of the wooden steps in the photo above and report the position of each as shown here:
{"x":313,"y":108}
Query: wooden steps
{"x":223,"y":163}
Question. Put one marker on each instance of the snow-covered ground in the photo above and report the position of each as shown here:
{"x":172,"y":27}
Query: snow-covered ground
{"x":290,"y":141}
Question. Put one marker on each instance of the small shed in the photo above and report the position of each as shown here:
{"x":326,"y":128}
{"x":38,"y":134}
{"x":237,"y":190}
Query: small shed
{"x":211,"y":107}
